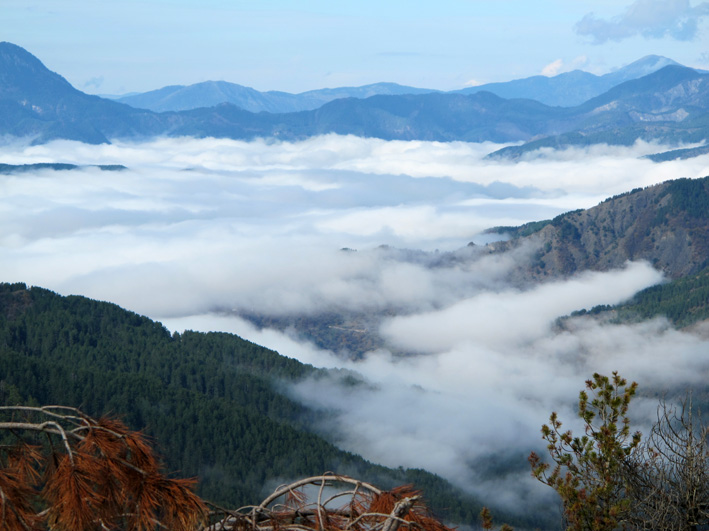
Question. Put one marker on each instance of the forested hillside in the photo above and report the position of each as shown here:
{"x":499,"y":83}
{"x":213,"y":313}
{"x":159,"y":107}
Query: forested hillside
{"x":684,"y":302}
{"x":211,"y":401}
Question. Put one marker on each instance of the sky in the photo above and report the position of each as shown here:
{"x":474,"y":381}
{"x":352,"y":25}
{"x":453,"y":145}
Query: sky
{"x":197,"y":230}
{"x":141,"y":45}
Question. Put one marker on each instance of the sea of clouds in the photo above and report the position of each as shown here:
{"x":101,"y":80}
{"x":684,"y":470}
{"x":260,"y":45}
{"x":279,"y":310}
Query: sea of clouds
{"x":194,"y":228}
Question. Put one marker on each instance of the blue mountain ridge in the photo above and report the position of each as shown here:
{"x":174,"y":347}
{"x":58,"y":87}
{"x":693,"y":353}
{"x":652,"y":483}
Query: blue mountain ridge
{"x":565,"y":90}
{"x":670,"y":105}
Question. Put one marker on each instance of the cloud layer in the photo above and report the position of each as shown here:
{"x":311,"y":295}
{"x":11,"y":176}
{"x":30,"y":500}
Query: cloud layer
{"x":196,"y":231}
{"x":222,"y":220}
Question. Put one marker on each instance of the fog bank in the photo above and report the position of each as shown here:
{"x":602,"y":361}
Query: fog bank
{"x":198,"y":231}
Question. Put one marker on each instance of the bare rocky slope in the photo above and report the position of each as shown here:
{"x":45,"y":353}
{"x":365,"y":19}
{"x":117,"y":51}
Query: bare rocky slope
{"x":666,"y":225}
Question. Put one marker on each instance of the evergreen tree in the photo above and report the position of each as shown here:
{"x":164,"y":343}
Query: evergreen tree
{"x":589,"y":471}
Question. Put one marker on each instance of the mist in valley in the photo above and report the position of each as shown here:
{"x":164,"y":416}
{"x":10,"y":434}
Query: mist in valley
{"x":199,"y":233}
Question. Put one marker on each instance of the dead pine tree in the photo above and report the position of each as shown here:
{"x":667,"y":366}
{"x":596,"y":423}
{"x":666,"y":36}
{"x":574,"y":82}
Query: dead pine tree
{"x":332,"y":503}
{"x":65,"y":471}
{"x":669,"y":475}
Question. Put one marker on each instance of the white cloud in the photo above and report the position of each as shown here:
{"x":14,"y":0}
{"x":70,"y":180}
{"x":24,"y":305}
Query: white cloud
{"x":204,"y":224}
{"x":579,"y":61}
{"x":511,"y":316}
{"x":491,"y":372}
{"x":651,"y":19}
{"x":553,"y":68}
{"x":560,"y":66}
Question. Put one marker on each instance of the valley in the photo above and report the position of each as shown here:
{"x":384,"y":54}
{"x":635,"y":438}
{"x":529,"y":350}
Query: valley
{"x":391,"y":283}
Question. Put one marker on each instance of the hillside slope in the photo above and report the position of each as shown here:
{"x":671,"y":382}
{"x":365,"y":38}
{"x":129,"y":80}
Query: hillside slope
{"x":214,"y":402}
{"x":666,"y":225}
{"x":684,"y":302}
{"x":42,"y":105}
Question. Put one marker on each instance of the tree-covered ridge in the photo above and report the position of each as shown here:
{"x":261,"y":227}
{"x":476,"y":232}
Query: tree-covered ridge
{"x":684,"y":302}
{"x":690,"y":196}
{"x":678,"y":154}
{"x":212,"y":401}
{"x":519,"y":232}
{"x":6,"y":169}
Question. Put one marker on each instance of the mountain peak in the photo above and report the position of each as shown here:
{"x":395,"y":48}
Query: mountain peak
{"x":656,"y":81}
{"x":20,"y":71}
{"x":7,"y":48}
{"x":652,"y":62}
{"x":15,"y":57}
{"x":640,"y":68}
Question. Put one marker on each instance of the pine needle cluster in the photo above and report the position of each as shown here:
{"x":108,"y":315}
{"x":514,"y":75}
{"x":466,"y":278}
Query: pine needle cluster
{"x":66,"y":471}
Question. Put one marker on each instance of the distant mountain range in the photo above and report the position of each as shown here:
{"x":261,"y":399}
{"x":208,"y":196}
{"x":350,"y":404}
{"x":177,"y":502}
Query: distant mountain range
{"x":670,"y":105}
{"x":572,"y":88}
{"x":564,"y":90}
{"x":211,"y":93}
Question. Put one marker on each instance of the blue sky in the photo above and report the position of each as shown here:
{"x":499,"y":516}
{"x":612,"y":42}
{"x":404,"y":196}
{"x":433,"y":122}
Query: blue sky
{"x":117,"y":47}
